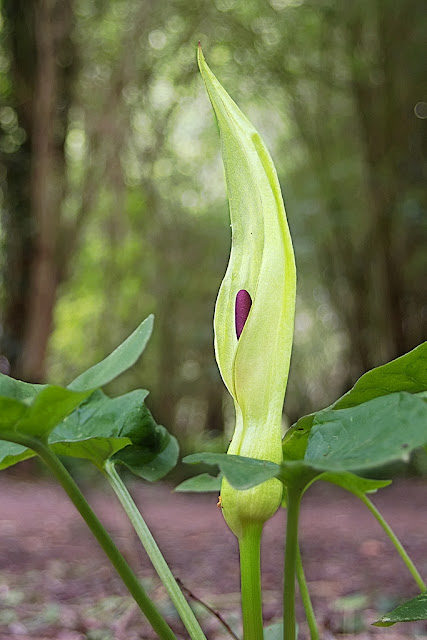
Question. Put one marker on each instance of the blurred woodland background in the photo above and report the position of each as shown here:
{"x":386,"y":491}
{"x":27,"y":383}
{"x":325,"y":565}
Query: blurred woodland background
{"x":113,"y":202}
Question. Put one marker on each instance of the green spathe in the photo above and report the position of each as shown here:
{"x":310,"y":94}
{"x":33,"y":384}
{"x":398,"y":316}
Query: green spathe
{"x":255,"y":366}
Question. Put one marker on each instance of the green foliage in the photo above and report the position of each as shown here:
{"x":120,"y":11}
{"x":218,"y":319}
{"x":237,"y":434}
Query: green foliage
{"x":152,"y":456}
{"x":352,"y":483}
{"x":379,"y":426}
{"x":414,"y":609}
{"x":35,"y":417}
{"x":369,"y":435}
{"x":118,"y":361}
{"x":201,"y":483}
{"x":241,"y":472}
{"x":85,"y":423}
{"x":407,"y":373}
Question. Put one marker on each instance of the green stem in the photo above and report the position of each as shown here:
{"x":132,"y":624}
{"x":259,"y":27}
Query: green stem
{"x":159,"y":625}
{"x":144,"y":534}
{"x":250,"y":575}
{"x":395,"y":540}
{"x":305,"y":597}
{"x":291,"y":553}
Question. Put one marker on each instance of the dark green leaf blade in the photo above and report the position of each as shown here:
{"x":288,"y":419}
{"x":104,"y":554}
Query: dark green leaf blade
{"x":22,"y":391}
{"x":406,"y":373}
{"x":96,"y":450}
{"x":150,"y":461}
{"x":202,"y":483}
{"x":103,"y":417}
{"x":352,"y":483}
{"x":118,"y":361}
{"x":11,"y":411}
{"x":48,"y":409}
{"x":383,"y":430}
{"x":410,"y":611}
{"x":36,"y":416}
{"x":11,"y":453}
{"x":121,"y":429}
{"x":241,"y":472}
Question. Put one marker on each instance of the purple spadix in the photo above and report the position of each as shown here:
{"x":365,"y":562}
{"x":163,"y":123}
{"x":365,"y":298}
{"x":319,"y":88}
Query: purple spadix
{"x":242,"y":308}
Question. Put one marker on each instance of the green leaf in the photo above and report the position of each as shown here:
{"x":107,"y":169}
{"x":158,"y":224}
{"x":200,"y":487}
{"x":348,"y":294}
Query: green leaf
{"x":118,"y":361}
{"x":11,"y":411}
{"x":98,"y":430}
{"x":48,"y":409}
{"x":407,"y":373}
{"x":244,"y":473}
{"x":11,"y":453}
{"x":241,"y":472}
{"x":22,"y":391}
{"x":35,"y":415}
{"x":201,"y":483}
{"x":414,"y":609}
{"x":121,"y":428}
{"x":352,"y":483}
{"x":151,"y":462}
{"x":383,"y":430}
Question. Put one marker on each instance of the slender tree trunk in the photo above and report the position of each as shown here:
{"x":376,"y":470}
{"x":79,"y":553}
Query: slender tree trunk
{"x":17,"y":223}
{"x":50,"y":22}
{"x":43,"y":277}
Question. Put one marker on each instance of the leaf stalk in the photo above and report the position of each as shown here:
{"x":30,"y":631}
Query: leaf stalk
{"x":132,"y":583}
{"x":291,"y":554}
{"x":148,"y":542}
{"x":306,"y":600}
{"x":396,"y":542}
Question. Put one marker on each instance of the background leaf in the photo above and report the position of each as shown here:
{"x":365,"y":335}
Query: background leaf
{"x":415,"y":609}
{"x":354,"y":484}
{"x":201,"y":483}
{"x":118,"y":361}
{"x":241,"y":473}
{"x":274,"y":631}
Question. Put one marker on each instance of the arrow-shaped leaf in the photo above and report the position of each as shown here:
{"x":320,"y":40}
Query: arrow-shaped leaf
{"x":118,"y":361}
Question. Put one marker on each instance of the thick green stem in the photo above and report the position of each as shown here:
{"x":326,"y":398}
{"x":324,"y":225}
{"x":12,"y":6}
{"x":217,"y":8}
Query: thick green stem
{"x":305,"y":597}
{"x":144,"y":534}
{"x":291,"y":553}
{"x":250,"y":574}
{"x":133,"y":585}
{"x":395,"y":540}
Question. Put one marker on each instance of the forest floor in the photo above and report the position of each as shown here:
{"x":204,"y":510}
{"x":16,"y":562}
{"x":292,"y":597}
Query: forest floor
{"x":56,"y":584}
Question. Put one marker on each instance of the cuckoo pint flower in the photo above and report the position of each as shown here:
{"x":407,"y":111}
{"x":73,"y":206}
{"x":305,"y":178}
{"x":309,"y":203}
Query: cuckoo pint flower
{"x":254,"y":314}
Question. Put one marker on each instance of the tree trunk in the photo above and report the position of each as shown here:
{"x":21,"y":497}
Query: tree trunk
{"x":42,"y":68}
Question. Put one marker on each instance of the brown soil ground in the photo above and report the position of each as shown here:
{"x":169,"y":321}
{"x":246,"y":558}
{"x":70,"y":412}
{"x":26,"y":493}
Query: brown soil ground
{"x":56,"y":584}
